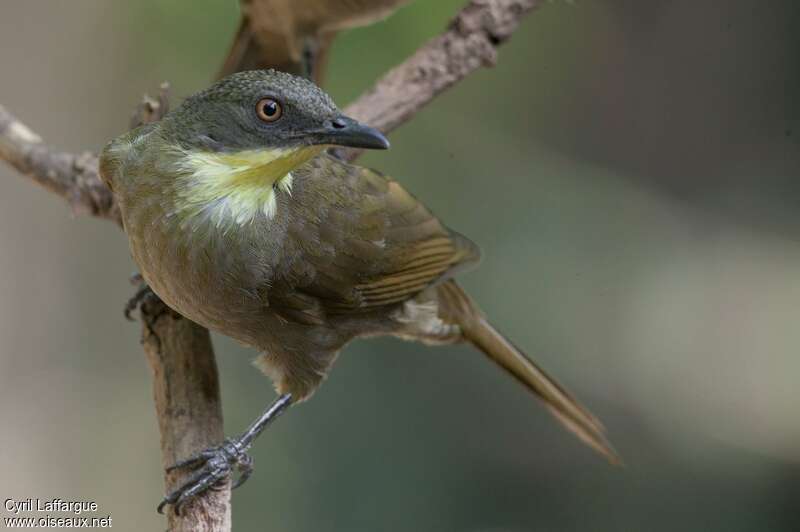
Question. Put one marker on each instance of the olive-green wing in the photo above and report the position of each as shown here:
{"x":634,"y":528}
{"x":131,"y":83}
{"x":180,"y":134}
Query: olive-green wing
{"x":360,"y":241}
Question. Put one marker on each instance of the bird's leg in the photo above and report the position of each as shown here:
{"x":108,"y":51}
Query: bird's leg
{"x":310,"y":50}
{"x":142,"y":295}
{"x":214,"y":465}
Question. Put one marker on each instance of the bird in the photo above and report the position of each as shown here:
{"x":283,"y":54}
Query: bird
{"x":295,"y":35}
{"x":242,"y":220}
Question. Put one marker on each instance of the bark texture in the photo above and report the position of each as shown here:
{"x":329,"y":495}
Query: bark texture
{"x":188,"y":407}
{"x":73,"y":176}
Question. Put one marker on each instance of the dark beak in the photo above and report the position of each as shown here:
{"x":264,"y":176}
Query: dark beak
{"x":344,"y":131}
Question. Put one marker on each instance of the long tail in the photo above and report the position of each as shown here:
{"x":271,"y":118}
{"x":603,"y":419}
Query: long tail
{"x":455,"y":302}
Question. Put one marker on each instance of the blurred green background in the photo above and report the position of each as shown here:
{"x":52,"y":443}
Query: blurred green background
{"x":630,"y":170}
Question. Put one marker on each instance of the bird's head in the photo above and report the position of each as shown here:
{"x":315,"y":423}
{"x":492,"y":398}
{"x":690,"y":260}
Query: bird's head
{"x":235,"y":144}
{"x":266,"y":110}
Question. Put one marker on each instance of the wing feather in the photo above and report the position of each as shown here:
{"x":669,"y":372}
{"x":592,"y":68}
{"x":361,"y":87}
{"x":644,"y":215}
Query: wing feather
{"x":369,"y":242}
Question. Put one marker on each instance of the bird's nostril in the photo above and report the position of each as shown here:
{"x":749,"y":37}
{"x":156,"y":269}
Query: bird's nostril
{"x":338,"y":123}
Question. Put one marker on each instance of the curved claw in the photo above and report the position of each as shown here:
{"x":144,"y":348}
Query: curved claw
{"x":214,"y":466}
{"x":245,"y":467}
{"x":193,"y":461}
{"x":142,"y":294}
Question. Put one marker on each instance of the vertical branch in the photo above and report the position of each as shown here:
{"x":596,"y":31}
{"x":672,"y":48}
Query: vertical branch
{"x":188,"y":407}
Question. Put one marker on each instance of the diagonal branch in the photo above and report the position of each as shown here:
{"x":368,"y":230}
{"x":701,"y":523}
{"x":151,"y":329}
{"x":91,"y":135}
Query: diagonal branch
{"x":74,"y":177}
{"x":469,"y":43}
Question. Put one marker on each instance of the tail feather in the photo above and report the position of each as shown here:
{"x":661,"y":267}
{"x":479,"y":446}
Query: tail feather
{"x":560,"y":402}
{"x":577,"y":419}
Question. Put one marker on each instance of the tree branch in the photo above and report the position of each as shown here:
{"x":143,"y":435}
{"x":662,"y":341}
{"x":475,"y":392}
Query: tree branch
{"x":74,"y":177}
{"x":188,"y":407}
{"x":179,"y":352}
{"x":469,"y":43}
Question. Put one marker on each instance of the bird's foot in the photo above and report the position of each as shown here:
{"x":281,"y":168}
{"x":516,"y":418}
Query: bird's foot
{"x":212,"y":468}
{"x":310,"y":50}
{"x":142,"y":295}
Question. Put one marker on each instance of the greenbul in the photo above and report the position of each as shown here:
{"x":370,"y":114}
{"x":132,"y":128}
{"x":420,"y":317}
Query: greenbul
{"x":241,"y":221}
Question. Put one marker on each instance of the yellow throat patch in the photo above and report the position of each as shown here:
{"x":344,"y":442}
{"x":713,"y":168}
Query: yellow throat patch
{"x":237,"y":187}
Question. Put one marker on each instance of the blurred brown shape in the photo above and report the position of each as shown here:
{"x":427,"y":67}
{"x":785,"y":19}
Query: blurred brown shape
{"x":285,"y":34}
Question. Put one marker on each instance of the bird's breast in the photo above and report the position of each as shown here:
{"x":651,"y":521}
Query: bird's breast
{"x":214,"y":274}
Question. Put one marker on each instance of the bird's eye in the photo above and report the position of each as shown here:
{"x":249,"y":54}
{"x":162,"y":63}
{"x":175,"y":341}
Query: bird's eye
{"x":268,"y":110}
